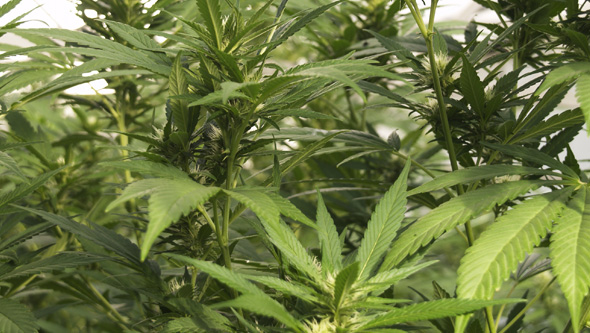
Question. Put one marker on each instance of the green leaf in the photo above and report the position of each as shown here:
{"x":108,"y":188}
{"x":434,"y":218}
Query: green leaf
{"x":533,"y":155}
{"x":279,"y":233}
{"x":383,"y":225}
{"x":177,"y":85}
{"x":472,"y":88}
{"x":291,"y":288}
{"x":563,"y":74}
{"x":452,"y":213}
{"x":300,"y":23}
{"x":230,"y":278}
{"x":100,"y":235}
{"x":303,"y":155}
{"x":497,"y":252}
{"x":570,"y":251}
{"x":343,"y":284}
{"x":201,"y":315}
{"x":8,"y":6}
{"x":471,"y":174}
{"x":20,"y":237}
{"x":263,"y":305}
{"x":558,"y":122}
{"x":168,"y":202}
{"x":8,"y":162}
{"x":582,"y":89}
{"x":134,"y":190}
{"x":300,"y":113}
{"x":289,"y":210}
{"x":441,"y":308}
{"x":149,"y":168}
{"x":16,"y":318}
{"x":211,"y":15}
{"x":381,"y":281}
{"x":329,"y":240}
{"x":23,"y":190}
{"x":59,"y":261}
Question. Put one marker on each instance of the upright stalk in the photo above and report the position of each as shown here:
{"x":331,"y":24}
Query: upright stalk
{"x":427,"y":34}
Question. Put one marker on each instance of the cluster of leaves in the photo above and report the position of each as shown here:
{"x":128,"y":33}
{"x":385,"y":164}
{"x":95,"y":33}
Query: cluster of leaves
{"x":199,"y":132}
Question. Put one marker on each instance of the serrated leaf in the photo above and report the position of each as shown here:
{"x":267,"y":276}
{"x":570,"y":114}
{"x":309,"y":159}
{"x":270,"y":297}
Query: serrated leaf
{"x":383,"y":225}
{"x":532,"y":155}
{"x":291,"y":288}
{"x":472,"y":88}
{"x":563,"y":74}
{"x":24,"y":235}
{"x":303,"y":155}
{"x":289,"y":210}
{"x":16,"y":318}
{"x":497,"y":252}
{"x":183,"y":325}
{"x":23,"y":190}
{"x":177,"y":85}
{"x":264,"y":305}
{"x":59,"y":261}
{"x":382,"y":281}
{"x":8,"y":162}
{"x":441,"y":308}
{"x":558,"y":122}
{"x":230,"y":278}
{"x":279,"y":233}
{"x":471,"y":174}
{"x":201,"y":315}
{"x":300,"y":113}
{"x":211,"y":14}
{"x":149,"y":168}
{"x":582,"y":89}
{"x":134,"y":190}
{"x":168,"y":202}
{"x":343,"y":284}
{"x":570,"y":251}
{"x":452,"y":213}
{"x":329,"y":240}
{"x":100,"y":235}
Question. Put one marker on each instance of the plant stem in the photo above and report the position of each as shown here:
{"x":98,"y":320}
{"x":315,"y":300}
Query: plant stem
{"x":524,"y":310}
{"x":490,"y":319}
{"x":427,"y":34}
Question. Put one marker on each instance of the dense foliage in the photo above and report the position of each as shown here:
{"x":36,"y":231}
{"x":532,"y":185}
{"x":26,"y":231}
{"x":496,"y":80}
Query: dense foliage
{"x":242,"y":172}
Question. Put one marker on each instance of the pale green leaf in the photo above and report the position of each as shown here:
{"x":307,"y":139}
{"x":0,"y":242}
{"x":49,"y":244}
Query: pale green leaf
{"x":230,"y":278}
{"x":562,"y":74}
{"x":291,"y":288}
{"x":452,"y":213}
{"x":343,"y":284}
{"x":177,"y":85}
{"x":329,"y":240}
{"x":583,"y":95}
{"x":289,"y":210}
{"x":441,"y":308}
{"x":137,"y":189}
{"x":570,"y":252}
{"x":497,"y":252}
{"x":279,"y":233}
{"x":211,"y":14}
{"x":169,"y":202}
{"x":16,"y":318}
{"x":471,"y":174}
{"x":383,"y":225}
{"x":382,"y":281}
{"x":263,"y":305}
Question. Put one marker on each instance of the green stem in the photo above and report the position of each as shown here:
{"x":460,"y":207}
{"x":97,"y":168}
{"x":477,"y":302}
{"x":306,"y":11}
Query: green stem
{"x":504,"y":305}
{"x":525,"y":309}
{"x":490,"y":319}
